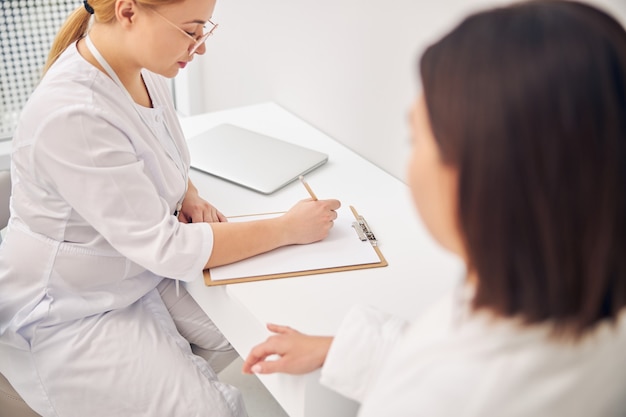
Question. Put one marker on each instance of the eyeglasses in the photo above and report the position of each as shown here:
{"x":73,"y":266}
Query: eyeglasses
{"x":198,"y":41}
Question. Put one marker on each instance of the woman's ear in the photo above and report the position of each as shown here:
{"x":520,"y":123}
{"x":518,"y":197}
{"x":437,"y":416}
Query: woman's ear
{"x":125,"y":11}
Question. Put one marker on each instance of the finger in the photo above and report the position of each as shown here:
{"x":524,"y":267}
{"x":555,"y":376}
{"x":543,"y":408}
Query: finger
{"x":255,"y":356}
{"x":250,"y":361}
{"x":248,"y":364}
{"x":260,"y":352}
{"x":277,"y":328}
{"x":211,"y":215}
{"x":268,"y":367}
{"x":194,"y":215}
{"x":333,"y":204}
{"x":221,"y":217}
{"x":207,"y":216}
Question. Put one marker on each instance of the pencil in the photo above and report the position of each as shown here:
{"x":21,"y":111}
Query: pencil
{"x":306,"y":185}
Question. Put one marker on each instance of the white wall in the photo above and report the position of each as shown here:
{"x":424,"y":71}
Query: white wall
{"x":348,"y":67}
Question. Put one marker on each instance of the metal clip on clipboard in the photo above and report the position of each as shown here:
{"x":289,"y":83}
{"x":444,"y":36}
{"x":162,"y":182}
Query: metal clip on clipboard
{"x":362,"y":228}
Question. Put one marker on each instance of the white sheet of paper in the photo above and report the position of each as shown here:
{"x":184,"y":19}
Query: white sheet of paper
{"x":342,"y":247}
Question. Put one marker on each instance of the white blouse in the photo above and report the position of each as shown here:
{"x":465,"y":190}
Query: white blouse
{"x":451,"y":363}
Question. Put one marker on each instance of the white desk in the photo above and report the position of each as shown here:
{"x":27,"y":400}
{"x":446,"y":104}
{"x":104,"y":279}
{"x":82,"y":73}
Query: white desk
{"x":418,"y":272}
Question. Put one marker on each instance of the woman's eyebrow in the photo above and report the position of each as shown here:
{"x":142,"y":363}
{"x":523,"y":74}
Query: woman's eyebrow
{"x":197,"y":21}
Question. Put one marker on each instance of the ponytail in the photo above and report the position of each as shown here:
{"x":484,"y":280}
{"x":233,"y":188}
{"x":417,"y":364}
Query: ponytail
{"x":75,"y":27}
{"x":72,"y":30}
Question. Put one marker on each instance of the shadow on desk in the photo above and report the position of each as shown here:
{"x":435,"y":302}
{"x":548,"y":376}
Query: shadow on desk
{"x":259,"y":402}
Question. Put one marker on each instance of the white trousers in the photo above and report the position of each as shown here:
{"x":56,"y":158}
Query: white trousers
{"x":195,"y":326}
{"x":132,"y":362}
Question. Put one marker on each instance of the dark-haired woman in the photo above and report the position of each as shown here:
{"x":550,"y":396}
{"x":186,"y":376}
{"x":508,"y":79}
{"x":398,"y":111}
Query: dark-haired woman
{"x":518,"y":167}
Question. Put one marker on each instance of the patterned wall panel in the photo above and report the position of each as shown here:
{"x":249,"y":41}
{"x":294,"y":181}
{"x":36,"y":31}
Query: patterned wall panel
{"x":27,"y":29}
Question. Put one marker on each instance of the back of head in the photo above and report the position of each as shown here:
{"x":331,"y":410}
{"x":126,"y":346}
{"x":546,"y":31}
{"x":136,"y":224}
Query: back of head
{"x":528,"y":102}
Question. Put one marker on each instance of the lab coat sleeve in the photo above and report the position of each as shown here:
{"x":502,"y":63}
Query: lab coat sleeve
{"x":85,"y":156}
{"x":358,"y":351}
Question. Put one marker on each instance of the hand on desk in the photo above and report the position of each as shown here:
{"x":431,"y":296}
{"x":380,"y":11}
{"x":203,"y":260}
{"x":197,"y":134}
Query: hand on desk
{"x":197,"y":210}
{"x":298,"y":353}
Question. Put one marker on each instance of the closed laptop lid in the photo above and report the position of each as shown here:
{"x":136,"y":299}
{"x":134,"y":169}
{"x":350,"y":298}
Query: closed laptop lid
{"x":250,"y":159}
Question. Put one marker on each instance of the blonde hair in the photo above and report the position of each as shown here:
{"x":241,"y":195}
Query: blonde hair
{"x":76,"y":25}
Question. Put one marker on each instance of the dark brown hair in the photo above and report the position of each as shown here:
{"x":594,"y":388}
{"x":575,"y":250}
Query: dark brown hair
{"x":528,"y":102}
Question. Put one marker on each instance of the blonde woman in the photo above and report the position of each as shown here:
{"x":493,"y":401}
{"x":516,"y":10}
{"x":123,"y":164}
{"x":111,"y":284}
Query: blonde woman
{"x":104,"y":218}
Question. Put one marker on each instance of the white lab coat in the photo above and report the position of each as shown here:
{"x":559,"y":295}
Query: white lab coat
{"x":83,"y":331}
{"x":454,"y":364}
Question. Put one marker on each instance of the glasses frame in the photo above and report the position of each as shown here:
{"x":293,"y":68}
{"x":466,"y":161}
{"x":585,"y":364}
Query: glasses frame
{"x":198,"y":42}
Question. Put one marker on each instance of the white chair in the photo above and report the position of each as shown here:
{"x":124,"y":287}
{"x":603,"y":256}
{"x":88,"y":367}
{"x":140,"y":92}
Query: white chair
{"x":11,"y":404}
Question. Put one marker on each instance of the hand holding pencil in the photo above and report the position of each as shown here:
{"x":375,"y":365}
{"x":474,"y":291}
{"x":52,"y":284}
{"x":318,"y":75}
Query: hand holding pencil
{"x":311,"y":220}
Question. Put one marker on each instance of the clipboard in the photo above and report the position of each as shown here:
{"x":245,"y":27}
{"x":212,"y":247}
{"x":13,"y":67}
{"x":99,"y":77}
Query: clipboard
{"x":350,"y":245}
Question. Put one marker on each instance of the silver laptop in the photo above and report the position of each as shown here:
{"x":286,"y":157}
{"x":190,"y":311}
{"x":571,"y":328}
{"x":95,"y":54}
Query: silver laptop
{"x":250,"y":159}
